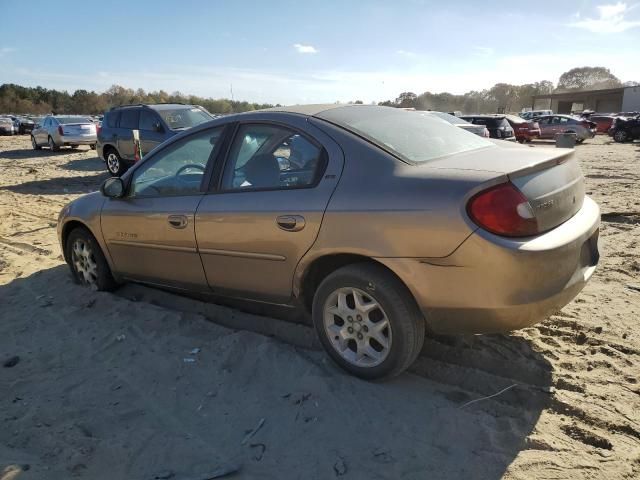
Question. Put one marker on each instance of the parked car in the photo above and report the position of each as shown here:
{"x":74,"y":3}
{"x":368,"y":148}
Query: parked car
{"x":6,"y":126}
{"x":524,"y":130}
{"x":532,"y":114}
{"x":603,"y":122}
{"x":25,"y":125}
{"x":362,"y":226}
{"x":479,"y":130}
{"x":497,"y":125}
{"x":551,"y":125}
{"x":57,"y":131}
{"x":625,"y":129}
{"x":156,"y":124}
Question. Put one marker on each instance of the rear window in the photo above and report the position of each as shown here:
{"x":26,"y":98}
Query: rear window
{"x":111,"y":119}
{"x":415,"y":137}
{"x":67,"y":120}
{"x":184,"y":117}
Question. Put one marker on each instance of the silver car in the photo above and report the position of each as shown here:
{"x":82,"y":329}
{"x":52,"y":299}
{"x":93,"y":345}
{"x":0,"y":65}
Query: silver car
{"x":380,"y":222}
{"x":57,"y":131}
{"x":6,"y":126}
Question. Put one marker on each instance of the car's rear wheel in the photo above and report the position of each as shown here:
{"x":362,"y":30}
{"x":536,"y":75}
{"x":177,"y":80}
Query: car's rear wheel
{"x":52,"y":145}
{"x":86,"y":261}
{"x":620,"y":136}
{"x":34,"y":144}
{"x":114,"y":163}
{"x":367,"y":321}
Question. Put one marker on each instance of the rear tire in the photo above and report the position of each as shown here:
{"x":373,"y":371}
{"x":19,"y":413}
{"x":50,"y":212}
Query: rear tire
{"x":52,"y":145}
{"x":115,"y":165}
{"x":88,"y":265}
{"x":620,"y":136}
{"x":34,"y":144}
{"x":367,"y":321}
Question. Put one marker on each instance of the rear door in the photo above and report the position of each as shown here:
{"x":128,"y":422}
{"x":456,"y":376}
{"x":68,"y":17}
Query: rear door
{"x":266,"y":209}
{"x":128,"y":122}
{"x":152,"y":132}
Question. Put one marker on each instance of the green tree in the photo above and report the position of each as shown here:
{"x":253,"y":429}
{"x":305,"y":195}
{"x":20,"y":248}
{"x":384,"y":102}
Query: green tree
{"x":588,"y":78}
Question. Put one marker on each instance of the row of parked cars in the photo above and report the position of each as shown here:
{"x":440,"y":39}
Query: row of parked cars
{"x":15,"y":125}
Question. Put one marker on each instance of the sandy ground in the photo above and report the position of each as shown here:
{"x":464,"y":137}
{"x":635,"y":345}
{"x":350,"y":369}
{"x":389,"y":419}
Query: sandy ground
{"x":142,"y":384}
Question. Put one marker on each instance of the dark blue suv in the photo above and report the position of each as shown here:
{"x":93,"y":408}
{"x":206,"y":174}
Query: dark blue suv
{"x":156,"y":124}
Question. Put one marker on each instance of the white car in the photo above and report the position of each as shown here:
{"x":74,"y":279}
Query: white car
{"x":6,"y":126}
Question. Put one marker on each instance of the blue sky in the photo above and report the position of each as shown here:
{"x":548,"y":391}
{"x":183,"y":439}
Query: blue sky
{"x":290,"y":51}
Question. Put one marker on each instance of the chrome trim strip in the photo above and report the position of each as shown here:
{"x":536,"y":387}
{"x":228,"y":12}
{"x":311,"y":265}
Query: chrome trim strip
{"x":171,"y":248}
{"x":234,"y":253}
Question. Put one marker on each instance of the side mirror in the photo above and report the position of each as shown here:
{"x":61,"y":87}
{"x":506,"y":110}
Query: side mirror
{"x":157,"y":127}
{"x":112,"y":187}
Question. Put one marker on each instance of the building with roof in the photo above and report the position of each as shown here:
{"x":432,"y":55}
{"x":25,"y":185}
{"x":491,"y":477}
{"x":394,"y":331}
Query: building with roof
{"x":610,"y":100}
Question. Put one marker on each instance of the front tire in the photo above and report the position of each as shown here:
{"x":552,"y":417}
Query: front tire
{"x":52,"y":145}
{"x":34,"y":144}
{"x":367,"y":321}
{"x":87,"y":262}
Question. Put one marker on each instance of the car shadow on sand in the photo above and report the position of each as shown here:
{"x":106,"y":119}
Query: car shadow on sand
{"x":94,"y":164}
{"x":145,"y":378}
{"x":44,"y":153}
{"x":60,"y":185}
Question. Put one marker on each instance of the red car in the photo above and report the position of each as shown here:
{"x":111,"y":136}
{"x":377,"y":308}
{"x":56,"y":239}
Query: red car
{"x":603,"y":122}
{"x":525,"y":130}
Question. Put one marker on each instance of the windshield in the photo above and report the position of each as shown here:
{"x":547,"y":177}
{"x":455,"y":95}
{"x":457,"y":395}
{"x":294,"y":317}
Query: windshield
{"x":67,"y":120}
{"x":184,"y":117}
{"x":415,"y":137}
{"x":450,"y":118}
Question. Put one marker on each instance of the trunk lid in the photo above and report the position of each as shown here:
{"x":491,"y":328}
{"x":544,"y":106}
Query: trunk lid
{"x":79,"y":129}
{"x":550,"y":179}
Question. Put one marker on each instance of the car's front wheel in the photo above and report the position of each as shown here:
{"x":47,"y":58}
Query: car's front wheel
{"x":620,"y":136}
{"x":87,"y":262}
{"x":367,"y":321}
{"x":114,"y":163}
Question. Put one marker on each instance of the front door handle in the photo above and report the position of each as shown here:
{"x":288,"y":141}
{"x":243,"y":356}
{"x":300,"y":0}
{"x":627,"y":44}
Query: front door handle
{"x":291,"y":223}
{"x":178,"y":221}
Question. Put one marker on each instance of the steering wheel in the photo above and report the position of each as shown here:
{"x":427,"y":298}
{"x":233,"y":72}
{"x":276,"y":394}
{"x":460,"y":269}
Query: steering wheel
{"x":188,"y":166}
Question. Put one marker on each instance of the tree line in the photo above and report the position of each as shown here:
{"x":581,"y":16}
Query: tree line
{"x":502,"y":97}
{"x":39,"y":100}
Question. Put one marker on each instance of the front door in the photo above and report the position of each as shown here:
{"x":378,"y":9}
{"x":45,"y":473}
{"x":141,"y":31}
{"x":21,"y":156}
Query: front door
{"x":150,"y":232}
{"x":266,"y":214}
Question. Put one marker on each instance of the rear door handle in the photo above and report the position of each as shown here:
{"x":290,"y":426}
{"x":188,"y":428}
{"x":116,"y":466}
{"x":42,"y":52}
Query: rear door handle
{"x":178,"y":221}
{"x":290,"y":223}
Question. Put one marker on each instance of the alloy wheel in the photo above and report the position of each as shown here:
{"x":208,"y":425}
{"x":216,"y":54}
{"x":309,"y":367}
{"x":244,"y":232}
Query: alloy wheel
{"x":113,"y":163}
{"x":357,"y":327}
{"x":620,"y":136}
{"x":85,"y":263}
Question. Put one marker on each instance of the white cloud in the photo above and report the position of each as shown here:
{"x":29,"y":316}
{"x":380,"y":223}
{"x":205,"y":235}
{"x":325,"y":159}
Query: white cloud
{"x":611,"y":19}
{"x":406,"y":53}
{"x":483,"y":51}
{"x":300,"y":48}
{"x":6,"y":50}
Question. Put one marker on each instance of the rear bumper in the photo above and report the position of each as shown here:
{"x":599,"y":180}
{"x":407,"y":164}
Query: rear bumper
{"x":492,"y":284}
{"x":77,"y":139}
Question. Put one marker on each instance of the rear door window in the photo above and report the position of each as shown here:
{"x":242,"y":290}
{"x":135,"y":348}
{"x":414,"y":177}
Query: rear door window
{"x":129,"y":118}
{"x":148,"y":120}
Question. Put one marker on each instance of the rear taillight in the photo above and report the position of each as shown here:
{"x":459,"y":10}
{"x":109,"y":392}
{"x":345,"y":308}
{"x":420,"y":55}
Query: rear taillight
{"x":503,"y":210}
{"x":98,"y":128}
{"x":60,"y":131}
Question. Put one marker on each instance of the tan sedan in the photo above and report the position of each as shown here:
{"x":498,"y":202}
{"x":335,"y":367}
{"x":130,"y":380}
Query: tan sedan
{"x":379,"y":221}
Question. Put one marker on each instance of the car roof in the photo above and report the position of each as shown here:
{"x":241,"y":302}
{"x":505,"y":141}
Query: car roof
{"x":486,"y":115}
{"x":314,"y":109}
{"x":154,"y":106}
